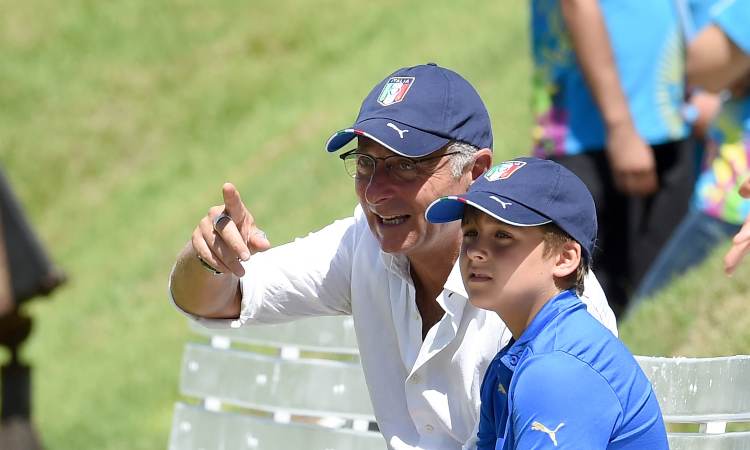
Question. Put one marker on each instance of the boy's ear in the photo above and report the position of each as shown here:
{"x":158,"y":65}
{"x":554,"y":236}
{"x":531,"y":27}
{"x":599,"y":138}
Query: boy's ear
{"x":567,"y":260}
{"x":482,"y":163}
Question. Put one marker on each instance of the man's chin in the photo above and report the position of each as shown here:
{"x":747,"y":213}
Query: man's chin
{"x":394,"y":248}
{"x":395,"y":244}
{"x":391,"y":240}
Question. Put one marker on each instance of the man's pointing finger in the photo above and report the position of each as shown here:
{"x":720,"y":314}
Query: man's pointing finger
{"x":233,"y":203}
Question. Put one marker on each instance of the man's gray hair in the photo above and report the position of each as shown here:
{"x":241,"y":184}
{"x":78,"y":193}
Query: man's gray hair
{"x":461,"y":161}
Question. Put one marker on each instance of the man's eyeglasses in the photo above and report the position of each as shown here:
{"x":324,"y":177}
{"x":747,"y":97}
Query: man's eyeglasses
{"x":361,"y":166}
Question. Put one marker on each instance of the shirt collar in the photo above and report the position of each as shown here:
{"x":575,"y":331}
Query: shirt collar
{"x":455,"y":283}
{"x":549,"y":311}
{"x":454,"y":297}
{"x":511,"y":354}
{"x":396,"y":264}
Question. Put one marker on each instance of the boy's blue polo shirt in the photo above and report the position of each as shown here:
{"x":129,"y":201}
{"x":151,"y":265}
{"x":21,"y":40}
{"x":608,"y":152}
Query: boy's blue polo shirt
{"x":568,"y":383}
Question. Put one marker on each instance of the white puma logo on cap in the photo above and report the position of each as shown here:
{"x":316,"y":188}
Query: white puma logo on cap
{"x":400,"y":132}
{"x":538,"y":426}
{"x":502,"y":203}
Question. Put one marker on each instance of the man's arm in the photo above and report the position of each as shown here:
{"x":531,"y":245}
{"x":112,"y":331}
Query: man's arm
{"x":715,"y":62}
{"x":630,"y":157}
{"x":720,"y":55}
{"x":198,"y":290}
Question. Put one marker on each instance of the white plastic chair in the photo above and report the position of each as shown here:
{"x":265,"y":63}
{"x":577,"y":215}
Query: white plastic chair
{"x":295,"y":385}
{"x":710,"y":392}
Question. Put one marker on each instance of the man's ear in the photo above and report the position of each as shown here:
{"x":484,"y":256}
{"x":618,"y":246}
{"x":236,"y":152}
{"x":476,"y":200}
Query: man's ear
{"x":482,"y":162}
{"x":567,"y":260}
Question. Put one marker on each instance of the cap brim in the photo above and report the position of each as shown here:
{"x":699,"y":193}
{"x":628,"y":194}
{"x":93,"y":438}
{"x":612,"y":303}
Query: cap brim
{"x":452,"y":207}
{"x":395,"y":136}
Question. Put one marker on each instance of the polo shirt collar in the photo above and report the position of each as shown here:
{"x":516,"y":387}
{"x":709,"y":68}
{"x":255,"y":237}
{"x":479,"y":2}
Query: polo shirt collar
{"x":549,"y":311}
{"x":559,"y":303}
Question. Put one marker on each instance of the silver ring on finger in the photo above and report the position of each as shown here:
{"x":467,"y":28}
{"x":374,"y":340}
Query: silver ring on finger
{"x":217,"y":220}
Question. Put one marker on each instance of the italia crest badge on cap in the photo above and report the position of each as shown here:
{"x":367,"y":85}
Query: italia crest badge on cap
{"x":395,"y":90}
{"x":503,"y":170}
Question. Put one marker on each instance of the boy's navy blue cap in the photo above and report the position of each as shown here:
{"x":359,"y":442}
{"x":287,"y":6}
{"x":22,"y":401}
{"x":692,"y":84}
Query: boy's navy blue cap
{"x":418,"y":110}
{"x":527,"y":192}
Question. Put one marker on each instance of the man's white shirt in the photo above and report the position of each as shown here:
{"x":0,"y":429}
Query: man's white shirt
{"x":425,"y":395}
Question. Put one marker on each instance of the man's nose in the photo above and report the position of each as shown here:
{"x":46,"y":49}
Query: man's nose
{"x":380,"y":187}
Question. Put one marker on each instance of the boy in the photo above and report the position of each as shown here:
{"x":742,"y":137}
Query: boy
{"x":563,"y":381}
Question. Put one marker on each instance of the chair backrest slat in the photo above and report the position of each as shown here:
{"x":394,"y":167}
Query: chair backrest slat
{"x":195,"y":428}
{"x":705,"y":391}
{"x":701,"y":389}
{"x":302,"y":386}
{"x":697,"y":441}
{"x":325,"y":334}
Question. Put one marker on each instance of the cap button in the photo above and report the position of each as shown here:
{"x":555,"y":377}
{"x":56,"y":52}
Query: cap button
{"x":431,"y":64}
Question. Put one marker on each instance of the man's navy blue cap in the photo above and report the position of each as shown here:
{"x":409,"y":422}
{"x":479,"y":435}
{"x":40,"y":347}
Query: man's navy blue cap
{"x":418,"y":110}
{"x":527,"y":192}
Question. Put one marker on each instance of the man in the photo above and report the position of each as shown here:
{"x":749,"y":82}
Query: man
{"x":716,"y":60}
{"x":741,"y":241}
{"x":719,"y":58}
{"x":609,"y":95}
{"x":422,"y":132}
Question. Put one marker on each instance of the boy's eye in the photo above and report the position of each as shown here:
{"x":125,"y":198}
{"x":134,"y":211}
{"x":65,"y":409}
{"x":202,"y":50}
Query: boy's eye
{"x":502,"y":235}
{"x":469,"y":233}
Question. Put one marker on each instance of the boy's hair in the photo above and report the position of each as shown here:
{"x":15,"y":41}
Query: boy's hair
{"x":554,"y":238}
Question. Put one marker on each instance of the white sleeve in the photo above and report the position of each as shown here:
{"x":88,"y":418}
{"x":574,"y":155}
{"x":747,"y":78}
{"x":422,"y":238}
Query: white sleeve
{"x":596,"y":302}
{"x":310,"y":276}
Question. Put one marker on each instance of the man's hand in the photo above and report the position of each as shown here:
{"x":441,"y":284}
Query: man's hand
{"x":233,"y":238}
{"x":632,"y":161}
{"x":707,"y":105}
{"x":741,"y":241}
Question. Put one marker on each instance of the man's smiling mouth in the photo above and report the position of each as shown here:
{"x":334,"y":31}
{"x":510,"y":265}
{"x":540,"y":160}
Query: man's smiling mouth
{"x":392,"y":220}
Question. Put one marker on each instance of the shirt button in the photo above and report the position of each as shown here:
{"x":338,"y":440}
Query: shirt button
{"x":429,"y":428}
{"x":514,"y":360}
{"x":415,"y":379}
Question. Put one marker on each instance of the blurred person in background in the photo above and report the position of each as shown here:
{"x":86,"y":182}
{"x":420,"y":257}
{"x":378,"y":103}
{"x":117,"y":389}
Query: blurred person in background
{"x":718,"y":61}
{"x":741,"y":241}
{"x":608,"y":98}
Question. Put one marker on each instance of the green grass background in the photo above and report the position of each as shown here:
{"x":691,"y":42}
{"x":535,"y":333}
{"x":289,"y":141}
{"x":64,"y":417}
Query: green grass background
{"x":119,"y":121}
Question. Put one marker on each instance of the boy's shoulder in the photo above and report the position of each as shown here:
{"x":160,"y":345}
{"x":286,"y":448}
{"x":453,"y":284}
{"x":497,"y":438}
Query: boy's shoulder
{"x":577,"y":333}
{"x":575,"y":357}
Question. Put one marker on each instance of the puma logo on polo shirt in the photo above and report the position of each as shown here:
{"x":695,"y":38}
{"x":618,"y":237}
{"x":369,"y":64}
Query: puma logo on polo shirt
{"x":538,"y":426}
